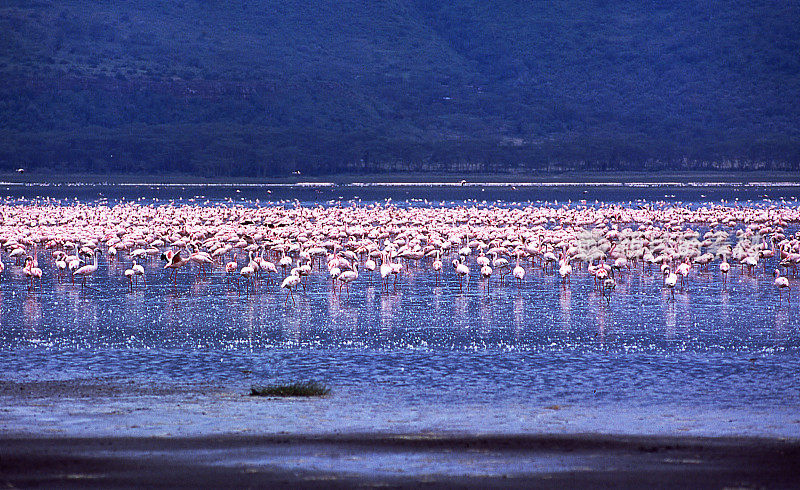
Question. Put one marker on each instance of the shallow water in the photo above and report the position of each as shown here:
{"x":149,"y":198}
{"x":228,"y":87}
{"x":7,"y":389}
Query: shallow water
{"x":409,"y":194}
{"x":458,"y":360}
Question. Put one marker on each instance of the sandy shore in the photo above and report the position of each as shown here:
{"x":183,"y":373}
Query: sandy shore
{"x":548,"y":461}
{"x":102,"y":432}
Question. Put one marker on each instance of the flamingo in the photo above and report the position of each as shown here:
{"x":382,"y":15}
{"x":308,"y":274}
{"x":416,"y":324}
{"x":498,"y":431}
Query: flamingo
{"x":600,"y":275}
{"x":36,"y":272}
{"x":670,"y":280}
{"x":518,"y":273}
{"x":137,"y":269}
{"x":724,"y":268}
{"x":683,"y":270}
{"x":462,"y":271}
{"x":304,"y":270}
{"x":253,"y":264}
{"x":486,"y":274}
{"x":781,"y":283}
{"x":129,"y":276}
{"x":437,"y":267}
{"x":87,"y":270}
{"x":482,"y":260}
{"x":231,"y":267}
{"x":333,"y":272}
{"x":73,"y":263}
{"x":265,"y":265}
{"x":26,"y":271}
{"x":270,"y":269}
{"x":201,"y":258}
{"x":549,"y":258}
{"x":70,"y":258}
{"x":609,"y":284}
{"x":248,"y":274}
{"x":397,"y":268}
{"x":175,"y":262}
{"x":565,"y":270}
{"x":619,"y":264}
{"x":289,"y":283}
{"x":284,"y":263}
{"x":370,"y":264}
{"x":61,"y":266}
{"x":751,"y":261}
{"x":17,"y":254}
{"x":347,"y":277}
{"x":385,"y":270}
{"x":501,"y":265}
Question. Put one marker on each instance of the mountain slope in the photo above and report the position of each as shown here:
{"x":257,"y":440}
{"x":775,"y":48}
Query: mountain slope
{"x":265,"y":87}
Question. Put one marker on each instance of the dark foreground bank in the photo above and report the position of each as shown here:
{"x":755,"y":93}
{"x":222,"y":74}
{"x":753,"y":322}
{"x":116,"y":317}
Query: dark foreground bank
{"x":549,"y":461}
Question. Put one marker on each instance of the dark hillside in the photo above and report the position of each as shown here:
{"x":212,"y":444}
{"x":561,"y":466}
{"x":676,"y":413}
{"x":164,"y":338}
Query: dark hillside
{"x":261,"y":88}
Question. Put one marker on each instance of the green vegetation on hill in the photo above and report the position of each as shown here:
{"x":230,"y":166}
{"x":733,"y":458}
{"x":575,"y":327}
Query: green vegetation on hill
{"x":263,"y":88}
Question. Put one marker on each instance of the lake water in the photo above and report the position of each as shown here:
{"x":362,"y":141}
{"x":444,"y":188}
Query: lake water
{"x":424,"y":356}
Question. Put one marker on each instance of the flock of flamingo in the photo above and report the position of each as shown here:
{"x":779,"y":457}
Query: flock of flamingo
{"x":287,"y":243}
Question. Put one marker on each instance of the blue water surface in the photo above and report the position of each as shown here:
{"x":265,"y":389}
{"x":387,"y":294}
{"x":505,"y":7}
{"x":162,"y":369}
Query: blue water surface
{"x":715,"y":347}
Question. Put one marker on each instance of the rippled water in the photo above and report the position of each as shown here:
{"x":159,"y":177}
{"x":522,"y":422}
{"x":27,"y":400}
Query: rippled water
{"x":713,"y":348}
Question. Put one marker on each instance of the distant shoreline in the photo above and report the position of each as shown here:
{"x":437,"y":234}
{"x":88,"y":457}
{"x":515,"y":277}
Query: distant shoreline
{"x":568,"y":178}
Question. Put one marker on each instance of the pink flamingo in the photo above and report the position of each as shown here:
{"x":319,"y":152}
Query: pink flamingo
{"x":518,"y":273}
{"x":385,"y":270}
{"x":174,"y":262}
{"x":724,"y":268}
{"x":289,"y":283}
{"x":486,"y":274}
{"x":87,"y":270}
{"x":782,"y":283}
{"x":347,"y":277}
{"x":437,"y":267}
{"x":670,"y":280}
{"x":462,"y":271}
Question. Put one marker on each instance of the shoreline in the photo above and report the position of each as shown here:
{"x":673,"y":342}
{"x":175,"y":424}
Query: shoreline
{"x":105,"y":407}
{"x":403,"y":460}
{"x":667,"y":178}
